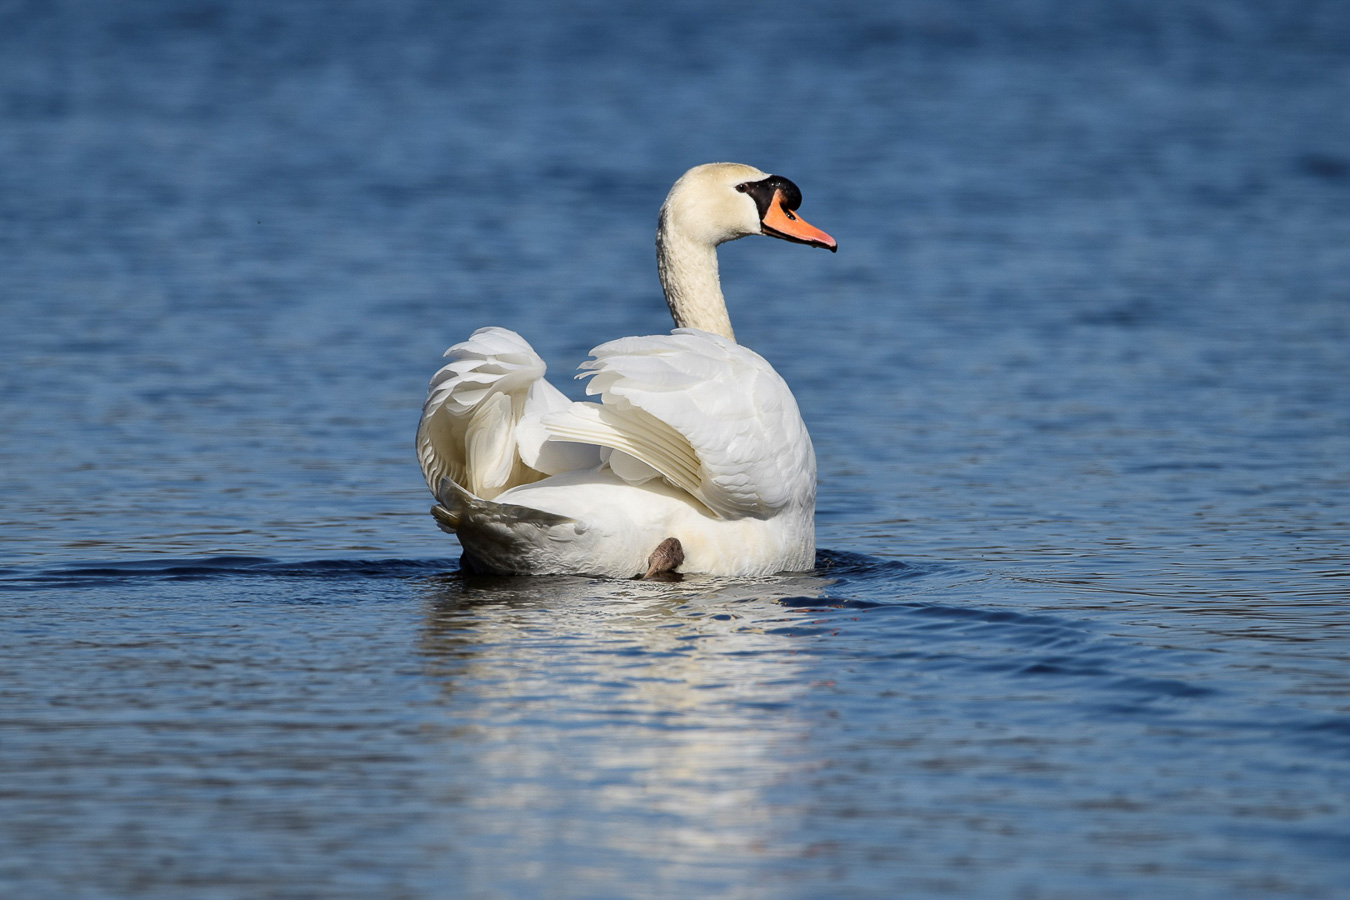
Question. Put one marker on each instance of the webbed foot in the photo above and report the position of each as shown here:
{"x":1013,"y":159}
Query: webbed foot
{"x":665,"y":559}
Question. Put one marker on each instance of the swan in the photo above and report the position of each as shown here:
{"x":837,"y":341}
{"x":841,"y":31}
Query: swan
{"x":695,"y":460}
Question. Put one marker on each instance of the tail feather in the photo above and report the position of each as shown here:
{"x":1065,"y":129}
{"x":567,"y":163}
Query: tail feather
{"x":460,"y":505}
{"x":445,"y":520}
{"x":503,"y":537}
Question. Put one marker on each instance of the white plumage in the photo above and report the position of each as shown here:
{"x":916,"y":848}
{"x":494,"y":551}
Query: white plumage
{"x":695,"y":437}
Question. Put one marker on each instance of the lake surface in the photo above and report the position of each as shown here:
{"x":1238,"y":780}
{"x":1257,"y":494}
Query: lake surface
{"x":1078,"y":380}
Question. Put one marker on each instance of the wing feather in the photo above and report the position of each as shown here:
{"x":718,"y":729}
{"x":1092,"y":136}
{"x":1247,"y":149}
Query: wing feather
{"x":711,"y":416}
{"x":480,"y":423}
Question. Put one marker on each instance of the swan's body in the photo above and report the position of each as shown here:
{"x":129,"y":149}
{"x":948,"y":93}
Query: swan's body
{"x":696,"y":438}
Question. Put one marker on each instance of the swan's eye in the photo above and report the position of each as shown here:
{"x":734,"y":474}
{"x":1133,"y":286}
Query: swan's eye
{"x":743,"y":187}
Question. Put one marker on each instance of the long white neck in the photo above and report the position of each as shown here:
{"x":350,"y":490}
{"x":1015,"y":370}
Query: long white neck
{"x":688,"y":269}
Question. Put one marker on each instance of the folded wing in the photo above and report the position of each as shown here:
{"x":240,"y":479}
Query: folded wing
{"x":709,"y":415}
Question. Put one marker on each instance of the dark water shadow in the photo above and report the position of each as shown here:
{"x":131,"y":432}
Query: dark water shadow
{"x":212,"y":568}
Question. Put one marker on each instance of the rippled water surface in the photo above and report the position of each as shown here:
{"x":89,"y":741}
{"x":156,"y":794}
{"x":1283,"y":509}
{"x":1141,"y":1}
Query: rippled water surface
{"x":1078,"y":379}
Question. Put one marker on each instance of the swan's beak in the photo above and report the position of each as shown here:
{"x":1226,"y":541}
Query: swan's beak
{"x":781,"y":222}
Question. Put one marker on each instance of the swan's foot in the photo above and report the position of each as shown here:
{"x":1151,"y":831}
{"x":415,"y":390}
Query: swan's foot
{"x":445,"y":519}
{"x":665,"y":559}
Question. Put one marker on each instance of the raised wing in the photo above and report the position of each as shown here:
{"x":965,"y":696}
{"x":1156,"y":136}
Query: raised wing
{"x":480,"y":424}
{"x":710,"y":416}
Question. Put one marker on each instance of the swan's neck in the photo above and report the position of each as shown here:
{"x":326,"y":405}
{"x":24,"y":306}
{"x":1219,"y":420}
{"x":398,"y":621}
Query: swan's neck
{"x":689,"y":277}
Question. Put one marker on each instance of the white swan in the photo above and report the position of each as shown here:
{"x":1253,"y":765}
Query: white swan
{"x":695,"y":439}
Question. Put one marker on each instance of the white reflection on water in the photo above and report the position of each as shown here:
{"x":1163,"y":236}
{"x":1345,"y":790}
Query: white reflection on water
{"x":633,"y":727}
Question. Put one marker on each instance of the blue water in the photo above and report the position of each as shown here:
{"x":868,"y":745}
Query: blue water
{"x":1078,"y":379}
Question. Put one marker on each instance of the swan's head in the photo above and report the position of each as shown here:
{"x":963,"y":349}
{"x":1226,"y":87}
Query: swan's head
{"x":720,"y":202}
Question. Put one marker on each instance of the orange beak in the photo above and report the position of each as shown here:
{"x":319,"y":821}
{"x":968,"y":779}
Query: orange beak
{"x":781,"y":222}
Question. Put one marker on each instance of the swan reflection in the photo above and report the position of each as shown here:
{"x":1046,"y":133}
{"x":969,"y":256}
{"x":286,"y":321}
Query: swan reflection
{"x":598,"y":727}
